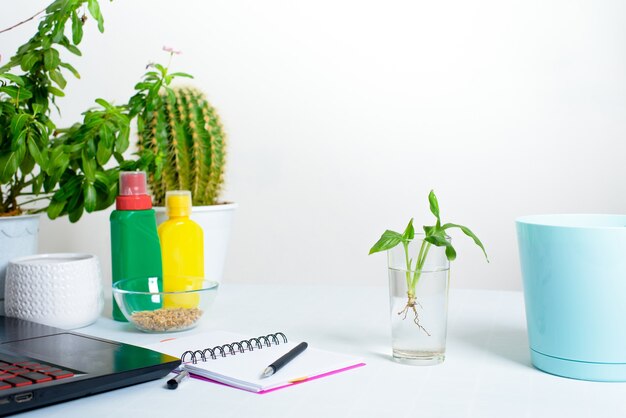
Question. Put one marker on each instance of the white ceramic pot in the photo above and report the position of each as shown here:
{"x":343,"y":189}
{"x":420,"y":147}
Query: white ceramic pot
{"x":215,"y":221}
{"x":60,"y":290}
{"x":18,"y":238}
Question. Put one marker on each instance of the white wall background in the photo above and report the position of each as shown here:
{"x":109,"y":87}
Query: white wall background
{"x":343,"y":114}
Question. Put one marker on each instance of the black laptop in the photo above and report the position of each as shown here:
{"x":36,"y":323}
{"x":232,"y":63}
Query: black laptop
{"x":42,"y":365}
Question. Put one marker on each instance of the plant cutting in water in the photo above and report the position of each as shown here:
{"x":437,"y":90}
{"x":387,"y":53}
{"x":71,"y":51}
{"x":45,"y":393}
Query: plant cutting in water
{"x":434,"y":235}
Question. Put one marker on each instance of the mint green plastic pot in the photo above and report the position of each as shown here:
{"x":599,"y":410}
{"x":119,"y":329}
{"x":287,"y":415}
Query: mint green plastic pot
{"x":574,"y":274}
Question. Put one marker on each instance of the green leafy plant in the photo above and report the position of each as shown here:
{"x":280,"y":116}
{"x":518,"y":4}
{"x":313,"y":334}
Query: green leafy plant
{"x":187,"y":141}
{"x":36,"y":163}
{"x":433,"y":235}
{"x":71,"y":169}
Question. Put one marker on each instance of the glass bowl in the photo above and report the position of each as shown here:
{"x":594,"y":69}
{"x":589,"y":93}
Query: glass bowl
{"x":148,"y":306}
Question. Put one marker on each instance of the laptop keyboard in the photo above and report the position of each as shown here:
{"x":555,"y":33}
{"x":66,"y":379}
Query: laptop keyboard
{"x":25,"y":373}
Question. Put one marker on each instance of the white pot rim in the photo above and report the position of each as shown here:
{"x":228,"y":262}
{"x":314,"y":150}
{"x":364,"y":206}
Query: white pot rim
{"x":53,"y":258}
{"x":19,"y":217}
{"x":220,"y":207}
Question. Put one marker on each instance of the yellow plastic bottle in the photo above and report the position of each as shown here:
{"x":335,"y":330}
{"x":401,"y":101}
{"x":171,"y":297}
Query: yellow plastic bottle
{"x":182,"y":251}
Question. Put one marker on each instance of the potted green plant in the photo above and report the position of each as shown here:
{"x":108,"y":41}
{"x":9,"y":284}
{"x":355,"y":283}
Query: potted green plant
{"x":418,"y":287}
{"x":185,"y":142}
{"x":59,"y":171}
{"x":43,"y":168}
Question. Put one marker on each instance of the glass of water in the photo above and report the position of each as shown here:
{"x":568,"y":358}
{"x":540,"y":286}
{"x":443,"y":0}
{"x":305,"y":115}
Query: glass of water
{"x":418,"y":299}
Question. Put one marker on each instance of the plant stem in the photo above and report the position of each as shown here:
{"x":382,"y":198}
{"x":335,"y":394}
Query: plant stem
{"x":408,"y":264}
{"x":34,"y":200}
{"x":22,"y":22}
{"x":421,"y":259}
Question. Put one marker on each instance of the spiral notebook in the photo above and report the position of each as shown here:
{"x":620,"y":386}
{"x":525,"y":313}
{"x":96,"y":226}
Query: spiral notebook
{"x":238,"y":361}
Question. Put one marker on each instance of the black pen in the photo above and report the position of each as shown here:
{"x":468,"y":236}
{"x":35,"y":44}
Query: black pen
{"x":175,"y":381}
{"x":278,"y":364}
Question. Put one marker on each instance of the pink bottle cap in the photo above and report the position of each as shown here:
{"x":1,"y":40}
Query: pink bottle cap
{"x":133,"y":193}
{"x":133,"y":183}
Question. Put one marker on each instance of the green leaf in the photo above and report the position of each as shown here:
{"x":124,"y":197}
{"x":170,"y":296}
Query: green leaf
{"x":51,"y":59}
{"x":75,"y":205}
{"x":8,"y":166}
{"x":104,"y":103}
{"x":103,"y":155}
{"x":170,"y":94}
{"x":409,"y":232}
{"x":55,"y":91}
{"x":72,"y":148}
{"x":72,"y":49}
{"x":440,"y":240}
{"x":41,"y":158}
{"x":37,"y":110}
{"x":388,"y":240}
{"x":46,"y":42}
{"x":23,"y":49}
{"x":434,"y":205}
{"x":122,"y":141}
{"x":75,"y":214}
{"x":105,"y":145}
{"x":153,"y":93}
{"x":14,"y":78}
{"x":16,"y":93}
{"x":469,"y":233}
{"x":55,"y":6}
{"x":143,"y":86}
{"x":118,"y":157}
{"x":49,"y":183}
{"x":106,"y":135}
{"x":91,"y":146}
{"x":55,"y":208}
{"x":69,"y":189}
{"x":94,"y":10}
{"x":19,"y":141}
{"x":59,"y":161}
{"x":28,"y":61}
{"x":89,"y":197}
{"x":77,"y":28}
{"x":57,"y":77}
{"x":20,"y":149}
{"x":101,"y":177}
{"x":58,"y":34}
{"x":27,"y":164}
{"x":17,"y":123}
{"x":429,"y":230}
{"x":37,"y":184}
{"x":437,"y":240}
{"x":181,"y":75}
{"x":89,"y":166}
{"x":69,"y":67}
{"x":92,"y":120}
{"x":450,"y":253}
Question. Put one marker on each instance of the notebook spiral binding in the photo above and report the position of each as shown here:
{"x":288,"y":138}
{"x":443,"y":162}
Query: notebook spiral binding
{"x":232,"y":348}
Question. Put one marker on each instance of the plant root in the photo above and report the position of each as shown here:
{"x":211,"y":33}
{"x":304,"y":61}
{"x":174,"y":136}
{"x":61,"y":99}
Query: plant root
{"x":13,"y":212}
{"x":410,"y":305}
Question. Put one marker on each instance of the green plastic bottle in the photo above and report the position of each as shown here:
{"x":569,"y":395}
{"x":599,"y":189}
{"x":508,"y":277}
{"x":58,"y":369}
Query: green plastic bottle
{"x":135,"y":247}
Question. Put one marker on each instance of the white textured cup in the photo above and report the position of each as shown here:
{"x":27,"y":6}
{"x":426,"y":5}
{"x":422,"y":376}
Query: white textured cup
{"x":60,"y":290}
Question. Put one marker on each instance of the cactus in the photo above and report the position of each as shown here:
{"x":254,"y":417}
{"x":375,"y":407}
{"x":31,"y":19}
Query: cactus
{"x":187,"y":139}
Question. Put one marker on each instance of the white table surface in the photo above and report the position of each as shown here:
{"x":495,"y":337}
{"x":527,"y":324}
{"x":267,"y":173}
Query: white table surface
{"x":487,"y":371}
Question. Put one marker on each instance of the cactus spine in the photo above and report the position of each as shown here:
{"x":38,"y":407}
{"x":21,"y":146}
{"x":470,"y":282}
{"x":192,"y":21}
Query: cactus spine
{"x":187,"y":138}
